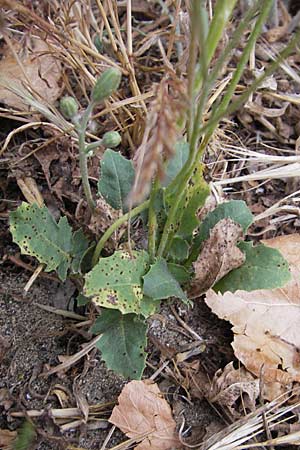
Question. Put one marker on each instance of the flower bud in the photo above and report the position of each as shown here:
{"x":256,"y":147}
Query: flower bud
{"x":98,"y":44}
{"x":111,"y":139}
{"x":68,"y":107}
{"x":106,"y":85}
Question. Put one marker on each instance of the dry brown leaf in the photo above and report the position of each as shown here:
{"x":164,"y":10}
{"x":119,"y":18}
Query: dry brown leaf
{"x":266,"y":322}
{"x":235,"y":389}
{"x":142,"y":410}
{"x":38,"y":70}
{"x":7,"y":439}
{"x":276,"y":33}
{"x":45,"y":157}
{"x":218,"y":256}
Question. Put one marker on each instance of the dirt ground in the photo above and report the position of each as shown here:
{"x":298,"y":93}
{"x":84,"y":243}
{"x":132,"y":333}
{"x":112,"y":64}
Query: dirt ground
{"x":32,"y":340}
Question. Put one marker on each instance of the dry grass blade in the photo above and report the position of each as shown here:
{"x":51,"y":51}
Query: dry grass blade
{"x":70,"y":31}
{"x":250,"y":427}
{"x":71,"y":360}
{"x":277,"y":207}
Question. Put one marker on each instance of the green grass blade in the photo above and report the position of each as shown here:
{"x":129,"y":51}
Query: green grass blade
{"x":261,"y":19}
{"x":222,"y":13}
{"x":209,"y":127}
{"x":218,"y":67}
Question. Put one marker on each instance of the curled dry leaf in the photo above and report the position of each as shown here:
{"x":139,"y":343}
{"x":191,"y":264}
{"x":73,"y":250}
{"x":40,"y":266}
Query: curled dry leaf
{"x":36,"y":68}
{"x":219,"y":255}
{"x":235,"y":389}
{"x":143,"y":411}
{"x":266,"y":322}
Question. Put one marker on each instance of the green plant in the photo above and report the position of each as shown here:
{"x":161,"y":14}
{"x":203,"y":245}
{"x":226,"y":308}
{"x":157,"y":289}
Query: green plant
{"x":105,"y":86}
{"x":130,"y":285}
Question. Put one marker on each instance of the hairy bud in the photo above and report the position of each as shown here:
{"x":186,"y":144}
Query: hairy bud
{"x":68,"y":107}
{"x":111,"y":139}
{"x":106,"y":85}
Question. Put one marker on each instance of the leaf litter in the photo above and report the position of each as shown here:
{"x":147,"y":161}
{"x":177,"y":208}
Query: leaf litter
{"x":142,"y":411}
{"x":230,"y":385}
{"x":266,"y":322}
{"x":34,"y":65}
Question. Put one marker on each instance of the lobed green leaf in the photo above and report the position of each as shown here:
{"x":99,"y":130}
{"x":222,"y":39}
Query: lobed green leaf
{"x":180,"y":273}
{"x":53,"y":244}
{"x":37,"y":234}
{"x":175,"y":165}
{"x":196,"y":193}
{"x":80,"y":244}
{"x":179,"y":250}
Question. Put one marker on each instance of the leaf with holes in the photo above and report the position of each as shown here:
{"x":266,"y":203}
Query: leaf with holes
{"x":116,"y":282}
{"x":196,"y":193}
{"x":159,"y":283}
{"x":264,"y":268}
{"x":122,"y":342}
{"x":117,"y":178}
{"x":37,"y":234}
{"x":236,"y":210}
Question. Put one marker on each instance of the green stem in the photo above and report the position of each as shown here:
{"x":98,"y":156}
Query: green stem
{"x":134,"y":212}
{"x":81,"y":130}
{"x":93,"y":145}
{"x":220,"y":63}
{"x":208,"y":129}
{"x":236,"y":104}
{"x":152,"y":221}
{"x":262,"y":18}
{"x":180,"y":193}
{"x":193,"y":47}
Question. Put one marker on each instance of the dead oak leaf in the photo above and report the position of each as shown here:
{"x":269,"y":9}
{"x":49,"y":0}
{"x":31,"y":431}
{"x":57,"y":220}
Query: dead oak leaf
{"x":36,"y":67}
{"x":266,"y":322}
{"x":219,"y":255}
{"x":143,"y":411}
